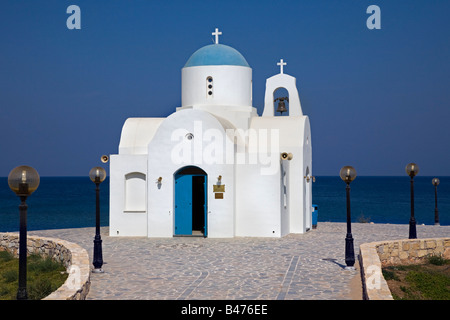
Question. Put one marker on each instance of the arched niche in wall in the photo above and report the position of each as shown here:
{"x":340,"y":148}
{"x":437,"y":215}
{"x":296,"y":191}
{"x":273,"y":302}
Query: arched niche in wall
{"x":135,"y":192}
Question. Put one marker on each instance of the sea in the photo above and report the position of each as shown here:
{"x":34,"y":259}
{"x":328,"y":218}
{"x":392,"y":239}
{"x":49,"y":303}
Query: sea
{"x":69,"y":202}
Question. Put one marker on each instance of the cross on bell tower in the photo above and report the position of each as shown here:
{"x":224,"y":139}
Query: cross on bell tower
{"x":281,"y":64}
{"x":217,"y":33}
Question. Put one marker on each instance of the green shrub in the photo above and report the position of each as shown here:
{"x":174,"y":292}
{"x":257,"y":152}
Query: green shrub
{"x":39,"y":289}
{"x":10,"y":275}
{"x":432,"y":285}
{"x":43,"y":276}
{"x":42,"y":264}
{"x":389,"y":275}
{"x":437,"y":260}
{"x":6,"y":256}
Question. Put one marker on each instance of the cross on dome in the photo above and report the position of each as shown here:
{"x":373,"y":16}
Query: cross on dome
{"x":217,"y":33}
{"x":281,"y":64}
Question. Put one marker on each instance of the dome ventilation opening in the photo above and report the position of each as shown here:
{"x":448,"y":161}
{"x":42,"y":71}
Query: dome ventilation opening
{"x":209,"y":87}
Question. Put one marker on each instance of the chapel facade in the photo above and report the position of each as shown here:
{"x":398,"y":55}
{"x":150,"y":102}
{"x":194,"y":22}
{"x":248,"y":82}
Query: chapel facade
{"x":215,"y":168}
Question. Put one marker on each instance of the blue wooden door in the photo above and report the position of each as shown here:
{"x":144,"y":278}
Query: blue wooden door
{"x":183,"y":205}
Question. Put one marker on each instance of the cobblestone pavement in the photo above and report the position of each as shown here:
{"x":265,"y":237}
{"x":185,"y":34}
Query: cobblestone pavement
{"x":297,"y":266}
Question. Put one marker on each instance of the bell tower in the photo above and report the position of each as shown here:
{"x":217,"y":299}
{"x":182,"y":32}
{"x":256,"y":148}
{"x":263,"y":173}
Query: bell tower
{"x":287,"y":82}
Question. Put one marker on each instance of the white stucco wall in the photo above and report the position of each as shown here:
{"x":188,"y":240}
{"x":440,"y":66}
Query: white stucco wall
{"x":232,"y":86}
{"x":257,"y":202}
{"x":293,"y":131}
{"x":163,"y":156}
{"x":122,"y":221}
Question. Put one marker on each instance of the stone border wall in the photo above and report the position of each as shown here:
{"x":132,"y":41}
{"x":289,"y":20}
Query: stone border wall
{"x":74,"y":258}
{"x":375,"y":255}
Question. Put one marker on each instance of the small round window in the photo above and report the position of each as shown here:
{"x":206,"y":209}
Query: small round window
{"x":209,"y":86}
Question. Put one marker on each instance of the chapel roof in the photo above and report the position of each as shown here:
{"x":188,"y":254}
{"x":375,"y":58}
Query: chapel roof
{"x":216,"y":54}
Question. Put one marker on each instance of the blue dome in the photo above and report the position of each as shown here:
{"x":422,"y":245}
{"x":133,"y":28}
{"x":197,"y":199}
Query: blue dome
{"x":216,"y":55}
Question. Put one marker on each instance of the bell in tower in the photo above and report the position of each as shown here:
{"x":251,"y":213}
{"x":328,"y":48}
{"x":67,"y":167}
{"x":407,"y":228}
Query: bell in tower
{"x":281,"y":104}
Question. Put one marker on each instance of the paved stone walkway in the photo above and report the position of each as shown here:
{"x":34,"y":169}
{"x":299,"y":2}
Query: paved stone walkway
{"x":306,"y":266}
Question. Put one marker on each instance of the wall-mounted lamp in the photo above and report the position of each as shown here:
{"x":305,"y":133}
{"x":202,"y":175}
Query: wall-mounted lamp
{"x":309,"y":177}
{"x":159,"y":182}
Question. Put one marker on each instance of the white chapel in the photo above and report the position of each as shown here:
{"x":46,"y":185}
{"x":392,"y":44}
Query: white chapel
{"x":215,"y":168}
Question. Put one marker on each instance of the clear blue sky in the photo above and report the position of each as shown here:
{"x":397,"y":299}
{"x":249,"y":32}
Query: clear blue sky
{"x":377,"y":99}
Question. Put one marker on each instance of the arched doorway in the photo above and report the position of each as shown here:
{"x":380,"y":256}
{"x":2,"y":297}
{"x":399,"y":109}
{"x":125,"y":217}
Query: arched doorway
{"x":190,"y":202}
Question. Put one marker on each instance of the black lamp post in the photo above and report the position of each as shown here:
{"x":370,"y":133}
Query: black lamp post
{"x":97,"y":175}
{"x":348,"y":174}
{"x":412,"y":170}
{"x":435,"y":183}
{"x":23,"y":181}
